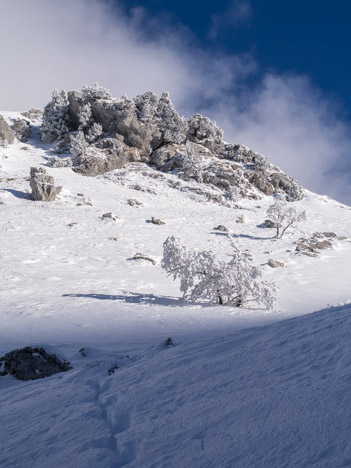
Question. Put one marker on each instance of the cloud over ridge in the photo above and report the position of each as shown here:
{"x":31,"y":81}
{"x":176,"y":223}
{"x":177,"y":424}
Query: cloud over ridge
{"x":64,"y":44}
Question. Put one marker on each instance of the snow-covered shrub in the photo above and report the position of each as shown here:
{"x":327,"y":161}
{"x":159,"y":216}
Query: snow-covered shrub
{"x":55,"y":117}
{"x":170,"y":122}
{"x":85,"y":116}
{"x":4,"y":143}
{"x":93,"y":133}
{"x":78,"y":144}
{"x":284,"y":215}
{"x":203,"y":276}
{"x":146,"y":105}
{"x":96,"y":91}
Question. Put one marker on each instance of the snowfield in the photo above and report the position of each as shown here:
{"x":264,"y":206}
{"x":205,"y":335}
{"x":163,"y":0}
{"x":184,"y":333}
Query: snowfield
{"x":241,"y":387}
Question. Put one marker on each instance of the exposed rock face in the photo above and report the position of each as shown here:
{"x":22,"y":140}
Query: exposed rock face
{"x":43,"y":185}
{"x":104,"y":133}
{"x":6,"y":133}
{"x":22,"y":130}
{"x":31,"y":364}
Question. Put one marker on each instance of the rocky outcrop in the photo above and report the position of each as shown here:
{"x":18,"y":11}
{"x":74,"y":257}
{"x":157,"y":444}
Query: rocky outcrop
{"x":31,"y":364}
{"x":7,"y":135}
{"x":43,"y":185}
{"x":22,"y":130}
{"x":104,"y":133}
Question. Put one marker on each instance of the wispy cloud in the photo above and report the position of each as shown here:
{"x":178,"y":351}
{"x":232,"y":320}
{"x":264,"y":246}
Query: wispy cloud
{"x":64,"y":44}
{"x":238,"y":11}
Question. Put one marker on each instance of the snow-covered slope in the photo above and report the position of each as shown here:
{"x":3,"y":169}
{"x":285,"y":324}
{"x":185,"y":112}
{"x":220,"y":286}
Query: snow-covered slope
{"x":277,"y":395}
{"x":246,"y":399}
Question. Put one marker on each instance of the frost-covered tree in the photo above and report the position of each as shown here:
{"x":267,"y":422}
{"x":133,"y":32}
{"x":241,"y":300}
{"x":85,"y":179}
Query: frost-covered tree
{"x":203,"y":276}
{"x":146,"y":105}
{"x":170,"y":122}
{"x":95,"y":91}
{"x":284,"y":215}
{"x":78,"y":144}
{"x":85,"y":116}
{"x":94,"y":132}
{"x":55,"y":116}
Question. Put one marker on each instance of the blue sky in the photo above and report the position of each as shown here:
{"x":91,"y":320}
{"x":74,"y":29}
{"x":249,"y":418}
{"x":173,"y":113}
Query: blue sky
{"x":273,"y":74}
{"x":311,"y":37}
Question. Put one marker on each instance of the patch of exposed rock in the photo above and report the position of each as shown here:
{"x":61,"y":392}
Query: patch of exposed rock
{"x":22,"y":130}
{"x":319,"y":241}
{"x":43,"y":185}
{"x":31,"y":364}
{"x":275,"y":263}
{"x":7,"y":135}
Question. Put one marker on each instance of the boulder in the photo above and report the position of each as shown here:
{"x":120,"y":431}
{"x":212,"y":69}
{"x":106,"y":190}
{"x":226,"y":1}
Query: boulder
{"x":93,"y":164}
{"x":22,"y":130}
{"x":274,"y":263}
{"x":31,"y":364}
{"x":270,"y":224}
{"x":164,"y":154}
{"x":43,"y":185}
{"x":221,"y":228}
{"x":6,"y":133}
{"x":157,"y":221}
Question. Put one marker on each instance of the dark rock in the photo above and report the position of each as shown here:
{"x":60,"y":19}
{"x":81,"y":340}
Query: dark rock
{"x":270,"y":224}
{"x":221,"y":228}
{"x":83,"y":352}
{"x":157,"y":221}
{"x":31,"y":364}
{"x":110,"y":216}
{"x":141,"y":256}
{"x":43,"y":185}
{"x":168,"y":343}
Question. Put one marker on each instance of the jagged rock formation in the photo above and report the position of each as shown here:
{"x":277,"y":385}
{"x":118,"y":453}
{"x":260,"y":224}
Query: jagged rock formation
{"x":7,"y":135}
{"x":31,"y":364}
{"x":43,"y":185}
{"x":104,"y":133}
{"x":22,"y":130}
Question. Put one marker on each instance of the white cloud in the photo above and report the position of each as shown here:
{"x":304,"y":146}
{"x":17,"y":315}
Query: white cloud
{"x":65,"y":44}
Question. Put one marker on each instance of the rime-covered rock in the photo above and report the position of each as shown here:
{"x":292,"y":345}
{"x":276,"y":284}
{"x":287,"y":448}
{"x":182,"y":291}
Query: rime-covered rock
{"x":22,"y":130}
{"x":104,"y":133}
{"x":7,"y":135}
{"x":31,"y":364}
{"x":43,"y":185}
{"x":206,"y":132}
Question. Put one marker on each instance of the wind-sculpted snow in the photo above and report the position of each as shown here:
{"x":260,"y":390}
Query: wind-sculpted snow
{"x":271,"y":396}
{"x":89,"y":123}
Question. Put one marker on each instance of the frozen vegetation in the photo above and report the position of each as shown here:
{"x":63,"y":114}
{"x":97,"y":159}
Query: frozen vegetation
{"x":197,"y":297}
